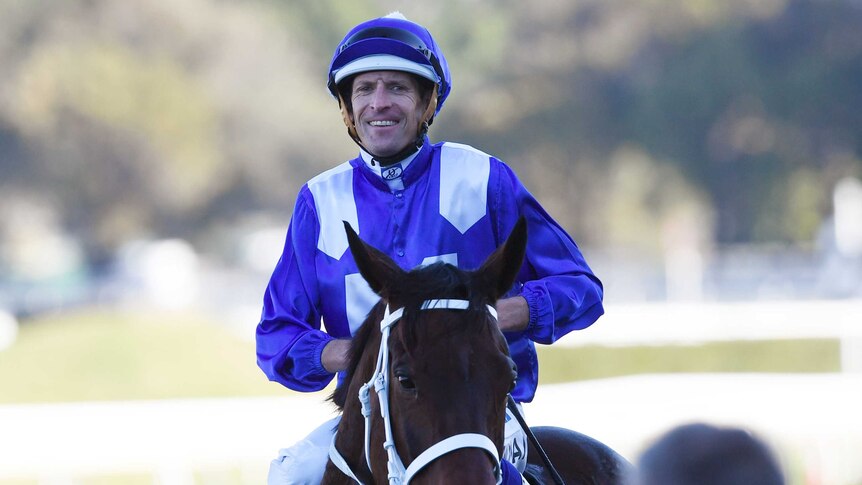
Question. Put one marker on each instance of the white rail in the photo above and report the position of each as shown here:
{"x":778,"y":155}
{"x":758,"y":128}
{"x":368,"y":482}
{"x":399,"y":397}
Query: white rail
{"x":813,"y":416}
{"x":694,"y":323}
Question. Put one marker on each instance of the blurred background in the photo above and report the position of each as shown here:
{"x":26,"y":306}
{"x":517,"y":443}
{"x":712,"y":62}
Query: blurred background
{"x":706,"y":155}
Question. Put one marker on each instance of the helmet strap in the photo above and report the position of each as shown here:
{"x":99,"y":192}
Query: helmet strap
{"x":428,"y":116}
{"x":348,"y":120}
{"x":424,"y":123}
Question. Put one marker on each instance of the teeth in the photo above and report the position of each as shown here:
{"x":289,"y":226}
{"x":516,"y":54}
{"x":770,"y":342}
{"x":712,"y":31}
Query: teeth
{"x":382,"y":123}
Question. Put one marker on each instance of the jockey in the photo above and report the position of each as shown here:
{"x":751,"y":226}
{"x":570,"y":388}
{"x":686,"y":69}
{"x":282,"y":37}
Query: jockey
{"x":419,"y":203}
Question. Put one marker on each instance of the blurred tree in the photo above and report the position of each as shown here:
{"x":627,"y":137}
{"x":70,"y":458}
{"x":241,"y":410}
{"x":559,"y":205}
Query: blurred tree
{"x":165,"y":116}
{"x":156,"y":117}
{"x":760,"y":112}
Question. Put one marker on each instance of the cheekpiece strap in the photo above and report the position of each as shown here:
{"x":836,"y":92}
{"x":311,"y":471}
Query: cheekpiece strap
{"x":389,"y":319}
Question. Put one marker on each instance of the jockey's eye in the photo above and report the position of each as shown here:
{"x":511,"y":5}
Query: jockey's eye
{"x":406,"y":382}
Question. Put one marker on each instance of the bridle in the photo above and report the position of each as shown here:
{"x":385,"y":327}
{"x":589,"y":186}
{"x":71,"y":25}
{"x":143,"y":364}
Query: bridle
{"x":398,"y":475}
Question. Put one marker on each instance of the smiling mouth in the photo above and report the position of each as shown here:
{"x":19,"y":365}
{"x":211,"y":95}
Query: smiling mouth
{"x":383,"y":123}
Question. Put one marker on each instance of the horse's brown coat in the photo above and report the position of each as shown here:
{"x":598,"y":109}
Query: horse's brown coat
{"x":450,"y":370}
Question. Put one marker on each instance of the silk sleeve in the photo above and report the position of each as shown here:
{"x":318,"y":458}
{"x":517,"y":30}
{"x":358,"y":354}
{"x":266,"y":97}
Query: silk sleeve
{"x":289,"y":338}
{"x":561,"y":290}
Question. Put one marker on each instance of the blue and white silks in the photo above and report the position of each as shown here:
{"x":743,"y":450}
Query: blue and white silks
{"x":453,"y":203}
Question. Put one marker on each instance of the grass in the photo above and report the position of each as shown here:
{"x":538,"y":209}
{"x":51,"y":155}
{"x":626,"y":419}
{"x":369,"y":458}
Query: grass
{"x":110,"y":355}
{"x":558,"y":364}
{"x":117,"y":355}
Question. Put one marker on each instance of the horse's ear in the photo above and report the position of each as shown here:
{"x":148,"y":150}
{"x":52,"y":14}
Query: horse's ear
{"x":502,"y":266}
{"x":377,"y":268}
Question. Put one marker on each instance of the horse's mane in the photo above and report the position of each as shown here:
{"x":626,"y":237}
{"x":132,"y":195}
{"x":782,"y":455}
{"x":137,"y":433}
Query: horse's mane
{"x":437,"y":280}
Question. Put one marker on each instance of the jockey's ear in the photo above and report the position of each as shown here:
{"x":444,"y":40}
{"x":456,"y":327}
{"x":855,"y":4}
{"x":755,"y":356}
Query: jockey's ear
{"x":499,"y":271}
{"x":377,"y":268}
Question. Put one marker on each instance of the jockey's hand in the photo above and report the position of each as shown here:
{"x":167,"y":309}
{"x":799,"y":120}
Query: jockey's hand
{"x":513,"y":314}
{"x":334,"y":355}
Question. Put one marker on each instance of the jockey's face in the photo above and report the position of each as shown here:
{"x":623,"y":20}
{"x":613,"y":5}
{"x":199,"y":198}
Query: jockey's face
{"x":387,"y":106}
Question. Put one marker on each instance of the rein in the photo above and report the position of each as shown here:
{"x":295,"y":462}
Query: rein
{"x":398,"y":475}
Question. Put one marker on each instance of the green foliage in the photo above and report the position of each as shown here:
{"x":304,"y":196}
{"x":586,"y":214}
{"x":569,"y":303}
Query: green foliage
{"x":744,"y":104}
{"x":148,"y":99}
{"x":160,"y":117}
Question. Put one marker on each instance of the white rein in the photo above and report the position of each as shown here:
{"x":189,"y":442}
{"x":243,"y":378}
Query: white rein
{"x":398,"y":475}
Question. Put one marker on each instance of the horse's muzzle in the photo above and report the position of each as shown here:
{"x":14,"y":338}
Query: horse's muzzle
{"x":463,"y":466}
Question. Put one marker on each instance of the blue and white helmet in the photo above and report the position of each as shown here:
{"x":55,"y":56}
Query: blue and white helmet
{"x":390,"y":43}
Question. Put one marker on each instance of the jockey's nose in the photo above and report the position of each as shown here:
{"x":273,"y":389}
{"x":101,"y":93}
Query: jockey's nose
{"x":380,"y":97}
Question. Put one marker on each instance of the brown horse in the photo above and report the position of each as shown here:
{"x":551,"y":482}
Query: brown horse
{"x":434,"y":393}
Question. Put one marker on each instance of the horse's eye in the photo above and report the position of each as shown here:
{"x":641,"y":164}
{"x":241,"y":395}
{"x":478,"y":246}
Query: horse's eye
{"x":406,"y":382}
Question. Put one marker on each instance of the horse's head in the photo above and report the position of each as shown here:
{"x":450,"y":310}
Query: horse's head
{"x":448,"y":365}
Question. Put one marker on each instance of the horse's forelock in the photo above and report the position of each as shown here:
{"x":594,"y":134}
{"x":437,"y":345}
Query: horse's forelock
{"x":439,"y":281}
